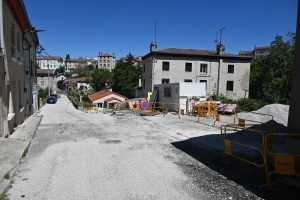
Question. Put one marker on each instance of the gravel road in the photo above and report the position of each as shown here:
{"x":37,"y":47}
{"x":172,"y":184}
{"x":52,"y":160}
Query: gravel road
{"x":77,"y":155}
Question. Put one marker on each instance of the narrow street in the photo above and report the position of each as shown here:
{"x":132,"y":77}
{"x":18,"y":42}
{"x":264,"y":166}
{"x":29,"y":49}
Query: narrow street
{"x":76,"y":155}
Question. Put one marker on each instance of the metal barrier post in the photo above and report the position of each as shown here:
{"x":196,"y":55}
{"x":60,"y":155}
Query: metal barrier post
{"x":178,"y":111}
{"x":164,"y":112}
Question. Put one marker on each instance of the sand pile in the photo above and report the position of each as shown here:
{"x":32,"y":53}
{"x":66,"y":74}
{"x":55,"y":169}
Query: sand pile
{"x":279,"y":112}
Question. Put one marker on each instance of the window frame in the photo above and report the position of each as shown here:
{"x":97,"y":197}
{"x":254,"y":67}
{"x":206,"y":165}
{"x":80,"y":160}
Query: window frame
{"x":164,"y":67}
{"x":230,"y":69}
{"x":166,"y":79}
{"x":187,"y":66}
{"x":229,"y":86}
{"x":203,"y":66}
{"x":167,"y":91}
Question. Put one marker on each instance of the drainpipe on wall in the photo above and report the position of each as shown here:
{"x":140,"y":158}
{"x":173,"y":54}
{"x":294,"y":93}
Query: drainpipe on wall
{"x":218,"y":85}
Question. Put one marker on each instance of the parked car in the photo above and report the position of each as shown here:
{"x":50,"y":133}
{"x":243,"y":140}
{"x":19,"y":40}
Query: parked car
{"x":51,"y":99}
{"x":54,"y":95}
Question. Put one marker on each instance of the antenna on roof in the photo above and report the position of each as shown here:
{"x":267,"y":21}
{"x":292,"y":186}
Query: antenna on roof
{"x":216,"y":40}
{"x":155,"y":22}
{"x":217,"y":31}
{"x":221,"y":30}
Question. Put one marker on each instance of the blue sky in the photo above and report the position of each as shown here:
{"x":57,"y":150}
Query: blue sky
{"x":85,"y":28}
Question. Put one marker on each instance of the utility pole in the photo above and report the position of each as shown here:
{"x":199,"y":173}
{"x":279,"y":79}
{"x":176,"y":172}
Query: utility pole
{"x":48,"y":81}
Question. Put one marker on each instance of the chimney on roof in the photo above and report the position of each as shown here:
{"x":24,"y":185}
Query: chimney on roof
{"x":113,"y":54}
{"x":220,"y":48}
{"x":152,"y":45}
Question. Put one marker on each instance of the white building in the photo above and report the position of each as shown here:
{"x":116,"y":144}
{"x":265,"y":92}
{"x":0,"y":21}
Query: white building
{"x":106,"y":61}
{"x":53,"y":62}
{"x":223,"y":73}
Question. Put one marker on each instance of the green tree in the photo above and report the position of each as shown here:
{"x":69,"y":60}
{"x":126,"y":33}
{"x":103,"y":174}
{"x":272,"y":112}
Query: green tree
{"x":126,"y":76}
{"x":90,"y":67}
{"x":61,"y":69}
{"x":271,"y":75}
{"x":101,"y":79}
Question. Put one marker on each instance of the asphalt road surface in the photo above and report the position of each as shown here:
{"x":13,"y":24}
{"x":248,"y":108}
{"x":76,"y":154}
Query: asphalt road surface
{"x":76,"y":155}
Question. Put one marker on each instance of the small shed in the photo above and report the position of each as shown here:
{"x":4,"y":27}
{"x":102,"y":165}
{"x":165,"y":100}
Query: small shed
{"x":106,"y":99}
{"x":172,"y":94}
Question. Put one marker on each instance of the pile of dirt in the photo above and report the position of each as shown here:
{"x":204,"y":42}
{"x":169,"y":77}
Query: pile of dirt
{"x":279,"y":112}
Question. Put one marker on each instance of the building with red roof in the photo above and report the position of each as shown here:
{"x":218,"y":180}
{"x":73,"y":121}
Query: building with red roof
{"x":106,"y":61}
{"x":106,"y":99}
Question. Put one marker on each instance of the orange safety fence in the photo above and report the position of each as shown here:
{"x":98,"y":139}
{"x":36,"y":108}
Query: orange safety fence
{"x":283,"y":163}
{"x":243,"y":121}
{"x":234,"y":144}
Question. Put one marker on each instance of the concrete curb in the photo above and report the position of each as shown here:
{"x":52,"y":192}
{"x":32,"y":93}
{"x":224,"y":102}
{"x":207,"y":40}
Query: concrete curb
{"x":13,"y":147}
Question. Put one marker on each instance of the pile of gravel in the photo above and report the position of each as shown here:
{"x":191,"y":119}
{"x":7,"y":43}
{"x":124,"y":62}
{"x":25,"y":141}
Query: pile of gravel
{"x":279,"y":112}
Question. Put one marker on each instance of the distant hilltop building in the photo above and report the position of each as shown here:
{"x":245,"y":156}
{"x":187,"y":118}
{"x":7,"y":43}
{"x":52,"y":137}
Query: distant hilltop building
{"x":75,"y":62}
{"x":106,"y":61}
{"x":137,"y":59}
{"x":258,"y":51}
{"x":53,"y":62}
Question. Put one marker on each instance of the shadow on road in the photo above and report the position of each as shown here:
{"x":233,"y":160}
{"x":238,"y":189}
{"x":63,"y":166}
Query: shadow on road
{"x":246,"y":175}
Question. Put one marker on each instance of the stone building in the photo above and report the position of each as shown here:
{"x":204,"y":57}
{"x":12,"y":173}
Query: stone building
{"x":18,"y":43}
{"x":106,"y":61}
{"x":223,"y":73}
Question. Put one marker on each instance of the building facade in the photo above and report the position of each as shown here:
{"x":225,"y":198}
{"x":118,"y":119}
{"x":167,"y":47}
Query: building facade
{"x":222,"y":73}
{"x":106,"y":61}
{"x":258,"y":51}
{"x":18,"y":43}
{"x":53,"y":62}
{"x":44,"y":80}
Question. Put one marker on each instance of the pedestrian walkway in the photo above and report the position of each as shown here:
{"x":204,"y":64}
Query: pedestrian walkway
{"x":13,"y":147}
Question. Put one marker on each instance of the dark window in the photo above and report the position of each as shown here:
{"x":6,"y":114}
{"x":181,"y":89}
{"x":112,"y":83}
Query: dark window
{"x":229,"y":86}
{"x":188,"y":67}
{"x":188,"y":80}
{"x":165,"y":66}
{"x":167,"y":91}
{"x":143,"y":83}
{"x":230,"y":68}
{"x":164,"y":80}
{"x":203,"y":68}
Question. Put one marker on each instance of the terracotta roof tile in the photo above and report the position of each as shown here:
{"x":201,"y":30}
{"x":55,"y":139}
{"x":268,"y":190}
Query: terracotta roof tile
{"x":101,"y":94}
{"x":82,"y":79}
{"x":105,"y":54}
{"x":111,"y":99}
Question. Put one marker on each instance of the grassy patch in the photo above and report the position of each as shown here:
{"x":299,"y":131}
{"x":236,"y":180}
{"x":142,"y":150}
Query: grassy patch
{"x":25,"y":151}
{"x":6,"y":176}
{"x":4,"y":197}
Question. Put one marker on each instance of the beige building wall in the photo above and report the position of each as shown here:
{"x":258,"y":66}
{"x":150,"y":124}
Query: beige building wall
{"x":17,"y":68}
{"x":153,"y":74}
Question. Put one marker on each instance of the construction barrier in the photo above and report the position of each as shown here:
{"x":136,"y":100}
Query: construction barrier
{"x":217,"y":118}
{"x":242,"y":147}
{"x":283,"y":163}
{"x":243,"y":122}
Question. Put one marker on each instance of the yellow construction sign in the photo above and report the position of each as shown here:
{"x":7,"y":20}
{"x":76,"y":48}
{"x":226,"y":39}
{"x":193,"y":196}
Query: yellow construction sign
{"x":284,"y":163}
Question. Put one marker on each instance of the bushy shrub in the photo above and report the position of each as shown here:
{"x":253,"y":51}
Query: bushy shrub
{"x":243,"y":104}
{"x":250,"y":104}
{"x":87,"y":104}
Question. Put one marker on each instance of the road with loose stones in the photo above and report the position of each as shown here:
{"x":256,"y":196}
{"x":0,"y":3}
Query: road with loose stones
{"x":76,"y":155}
